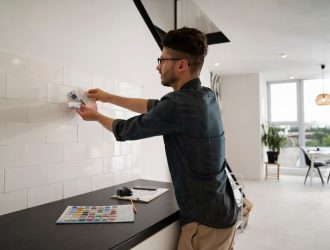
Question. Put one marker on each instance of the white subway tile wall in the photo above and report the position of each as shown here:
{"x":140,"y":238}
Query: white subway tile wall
{"x":57,"y":93}
{"x":12,"y":156}
{"x":101,"y":181}
{"x":13,"y":201}
{"x":68,"y":171}
{"x":76,"y":187}
{"x":46,"y":112}
{"x":2,"y":181}
{"x":12,"y":110}
{"x":77,"y":78}
{"x":2,"y":134}
{"x":99,"y":82}
{"x":45,"y":194}
{"x":104,"y":149}
{"x":61,"y":133}
{"x":84,"y":134}
{"x":38,"y":154}
{"x":123,"y":176}
{"x":20,"y":178}
{"x":25,"y":133}
{"x":75,"y":151}
{"x":45,"y":72}
{"x":13,"y":65}
{"x":2,"y":84}
{"x":21,"y":88}
{"x":47,"y":152}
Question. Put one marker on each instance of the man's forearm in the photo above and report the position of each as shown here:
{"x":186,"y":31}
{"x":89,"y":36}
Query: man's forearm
{"x":105,"y":121}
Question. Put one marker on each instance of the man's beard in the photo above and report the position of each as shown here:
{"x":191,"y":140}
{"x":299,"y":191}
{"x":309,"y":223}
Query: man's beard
{"x":168,"y":79}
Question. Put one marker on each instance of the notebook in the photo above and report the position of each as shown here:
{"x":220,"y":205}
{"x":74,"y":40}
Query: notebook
{"x":141,"y":195}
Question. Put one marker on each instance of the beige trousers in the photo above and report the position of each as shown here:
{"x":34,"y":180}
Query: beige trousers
{"x":196,"y":236}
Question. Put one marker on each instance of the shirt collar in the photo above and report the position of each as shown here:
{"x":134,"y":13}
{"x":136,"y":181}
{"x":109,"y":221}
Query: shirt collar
{"x":192,"y":84}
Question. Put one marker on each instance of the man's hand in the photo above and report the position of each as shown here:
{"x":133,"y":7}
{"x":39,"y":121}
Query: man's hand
{"x":134,"y":104}
{"x":88,"y":114}
{"x":98,"y":95}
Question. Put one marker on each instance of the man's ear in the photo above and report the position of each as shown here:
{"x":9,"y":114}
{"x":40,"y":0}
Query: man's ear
{"x":183,"y":65}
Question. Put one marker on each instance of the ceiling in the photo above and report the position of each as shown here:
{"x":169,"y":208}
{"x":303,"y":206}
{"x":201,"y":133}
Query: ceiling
{"x":261,"y":30}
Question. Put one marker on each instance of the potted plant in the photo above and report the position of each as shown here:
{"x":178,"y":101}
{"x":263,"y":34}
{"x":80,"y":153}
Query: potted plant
{"x":272,"y":139}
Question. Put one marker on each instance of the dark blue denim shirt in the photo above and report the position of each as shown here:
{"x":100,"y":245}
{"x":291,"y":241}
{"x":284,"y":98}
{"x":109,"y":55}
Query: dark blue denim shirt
{"x":189,"y":120}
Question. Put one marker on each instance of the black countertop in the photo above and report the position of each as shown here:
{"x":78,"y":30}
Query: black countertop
{"x":35,"y":228}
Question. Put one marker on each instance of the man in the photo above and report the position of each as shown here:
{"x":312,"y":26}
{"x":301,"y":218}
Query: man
{"x":189,"y":120}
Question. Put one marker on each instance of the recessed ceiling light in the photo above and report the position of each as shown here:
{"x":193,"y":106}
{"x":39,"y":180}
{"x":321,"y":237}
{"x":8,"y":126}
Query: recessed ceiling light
{"x":291,"y":77}
{"x":216,"y":64}
{"x":283,"y":55}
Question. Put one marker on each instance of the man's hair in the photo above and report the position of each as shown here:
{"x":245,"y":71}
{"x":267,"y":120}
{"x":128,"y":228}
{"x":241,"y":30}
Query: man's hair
{"x":191,"y":42}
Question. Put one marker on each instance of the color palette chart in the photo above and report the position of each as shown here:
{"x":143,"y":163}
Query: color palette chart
{"x":96,"y":214}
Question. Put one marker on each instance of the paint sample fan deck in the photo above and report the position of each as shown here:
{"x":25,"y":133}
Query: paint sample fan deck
{"x":96,"y":214}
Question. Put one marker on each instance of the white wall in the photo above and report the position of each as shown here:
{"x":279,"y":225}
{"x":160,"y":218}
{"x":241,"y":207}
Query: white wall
{"x":240,"y":107}
{"x":263,"y":115}
{"x":47,"y":49}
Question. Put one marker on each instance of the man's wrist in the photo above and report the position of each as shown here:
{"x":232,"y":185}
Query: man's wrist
{"x":109,"y":97}
{"x":104,"y":121}
{"x":99,"y":117}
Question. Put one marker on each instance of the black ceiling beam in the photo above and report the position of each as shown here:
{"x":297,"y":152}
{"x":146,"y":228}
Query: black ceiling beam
{"x":158,"y":34}
{"x":216,"y":37}
{"x":149,"y":23}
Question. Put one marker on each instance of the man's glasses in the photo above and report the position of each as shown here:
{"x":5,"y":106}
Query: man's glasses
{"x":160,"y":60}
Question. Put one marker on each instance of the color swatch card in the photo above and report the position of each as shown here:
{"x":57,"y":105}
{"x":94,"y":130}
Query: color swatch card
{"x":96,"y":214}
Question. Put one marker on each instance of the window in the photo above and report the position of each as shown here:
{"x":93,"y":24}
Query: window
{"x":292,"y":107}
{"x":283,"y":102}
{"x":317,"y":118}
{"x":284,"y":112}
{"x":289,"y":155}
{"x":314,"y":114}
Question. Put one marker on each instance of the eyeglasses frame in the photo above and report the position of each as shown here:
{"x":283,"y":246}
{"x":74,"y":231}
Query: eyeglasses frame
{"x":159,"y":59}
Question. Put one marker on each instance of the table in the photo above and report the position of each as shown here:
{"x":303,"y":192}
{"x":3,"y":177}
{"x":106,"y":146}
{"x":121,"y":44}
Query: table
{"x":277,"y":175}
{"x":314,"y":154}
{"x":35,"y":228}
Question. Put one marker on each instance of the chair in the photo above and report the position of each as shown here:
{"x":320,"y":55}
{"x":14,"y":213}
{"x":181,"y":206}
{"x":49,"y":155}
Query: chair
{"x":328,"y":163}
{"x":317,"y":165}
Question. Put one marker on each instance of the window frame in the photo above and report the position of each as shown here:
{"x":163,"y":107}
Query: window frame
{"x":300,"y":122}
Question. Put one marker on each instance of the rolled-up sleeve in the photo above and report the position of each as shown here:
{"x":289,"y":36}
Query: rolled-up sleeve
{"x":162,"y":118}
{"x":114,"y":128}
{"x":151,"y":103}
